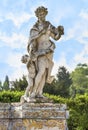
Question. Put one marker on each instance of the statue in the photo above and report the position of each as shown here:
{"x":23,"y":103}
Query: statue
{"x":39,"y":60}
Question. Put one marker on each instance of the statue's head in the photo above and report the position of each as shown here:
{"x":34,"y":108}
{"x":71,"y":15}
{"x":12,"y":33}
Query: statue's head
{"x":41,"y":12}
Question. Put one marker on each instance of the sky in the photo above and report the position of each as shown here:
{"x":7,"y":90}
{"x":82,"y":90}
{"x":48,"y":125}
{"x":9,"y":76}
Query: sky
{"x":17,"y":18}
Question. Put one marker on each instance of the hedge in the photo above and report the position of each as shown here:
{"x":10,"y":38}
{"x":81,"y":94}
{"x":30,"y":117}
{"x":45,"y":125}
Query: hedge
{"x":10,"y":96}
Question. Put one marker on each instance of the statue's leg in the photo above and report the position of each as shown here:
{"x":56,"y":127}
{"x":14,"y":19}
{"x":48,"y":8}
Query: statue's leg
{"x":29,"y":87}
{"x":49,"y":77}
{"x":39,"y":92}
{"x":38,"y":78}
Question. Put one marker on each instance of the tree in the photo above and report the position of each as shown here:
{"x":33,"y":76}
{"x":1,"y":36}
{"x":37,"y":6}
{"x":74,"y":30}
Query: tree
{"x":1,"y":86}
{"x":50,"y":88}
{"x":6,"y":83}
{"x":80,"y":79}
{"x":20,"y":84}
{"x":63,"y":82}
{"x":60,"y":86}
{"x":78,"y":119}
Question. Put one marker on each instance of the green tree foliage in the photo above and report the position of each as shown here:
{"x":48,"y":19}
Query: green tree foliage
{"x":78,"y":108}
{"x":60,"y":86}
{"x":6,"y":83}
{"x":50,"y":88}
{"x":20,"y":84}
{"x":80,"y":80}
{"x":10,"y":96}
{"x":1,"y":87}
{"x":63,"y":82}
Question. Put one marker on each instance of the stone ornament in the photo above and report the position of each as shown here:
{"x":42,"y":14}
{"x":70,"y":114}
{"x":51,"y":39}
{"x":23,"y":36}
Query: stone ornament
{"x":33,"y":116}
{"x":39,"y":60}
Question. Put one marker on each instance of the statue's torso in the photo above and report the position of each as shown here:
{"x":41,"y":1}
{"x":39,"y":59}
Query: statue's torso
{"x":43,"y":41}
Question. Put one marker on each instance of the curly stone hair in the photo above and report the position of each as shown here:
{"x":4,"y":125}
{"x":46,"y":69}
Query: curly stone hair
{"x":41,"y":10}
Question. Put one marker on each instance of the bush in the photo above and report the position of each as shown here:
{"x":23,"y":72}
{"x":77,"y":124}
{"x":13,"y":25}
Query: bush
{"x":78,"y":108}
{"x":56,"y":99}
{"x":10,"y":96}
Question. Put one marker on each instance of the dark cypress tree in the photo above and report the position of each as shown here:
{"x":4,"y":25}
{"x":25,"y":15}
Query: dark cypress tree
{"x":63,"y":82}
{"x":6,"y":83}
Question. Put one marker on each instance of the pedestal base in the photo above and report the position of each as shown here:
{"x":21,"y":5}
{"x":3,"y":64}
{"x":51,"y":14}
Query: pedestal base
{"x":32,"y":116}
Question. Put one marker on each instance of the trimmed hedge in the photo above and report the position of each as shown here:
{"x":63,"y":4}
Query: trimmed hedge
{"x":10,"y":96}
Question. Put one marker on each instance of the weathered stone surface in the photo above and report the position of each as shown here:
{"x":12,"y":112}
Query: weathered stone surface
{"x":32,"y":116}
{"x":39,"y":60}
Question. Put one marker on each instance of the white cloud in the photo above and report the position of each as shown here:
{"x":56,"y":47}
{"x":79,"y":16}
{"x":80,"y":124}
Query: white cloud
{"x":18,"y":73}
{"x":73,"y":32}
{"x":14,"y":41}
{"x":79,"y":32}
{"x":1,"y":19}
{"x":81,"y":58}
{"x":14,"y":59}
{"x":61,"y":13}
{"x":83,"y":38}
{"x":84,"y":14}
{"x":61,"y":62}
{"x":80,"y":27}
{"x":19,"y":19}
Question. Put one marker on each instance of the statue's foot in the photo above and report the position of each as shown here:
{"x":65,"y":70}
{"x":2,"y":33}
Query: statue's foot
{"x":24,"y":98}
{"x":42,"y":99}
{"x":32,"y":95}
{"x":40,"y":96}
{"x":50,"y":79}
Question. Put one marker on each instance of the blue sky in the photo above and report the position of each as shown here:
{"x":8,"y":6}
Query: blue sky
{"x":16,"y":19}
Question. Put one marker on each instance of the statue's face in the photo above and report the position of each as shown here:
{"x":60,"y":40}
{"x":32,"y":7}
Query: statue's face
{"x":41,"y":16}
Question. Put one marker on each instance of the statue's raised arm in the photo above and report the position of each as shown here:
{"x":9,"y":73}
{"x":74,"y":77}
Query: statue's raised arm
{"x":57,"y":32}
{"x":41,"y":49}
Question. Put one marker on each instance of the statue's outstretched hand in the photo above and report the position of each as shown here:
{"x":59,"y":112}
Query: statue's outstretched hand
{"x":60,"y":30}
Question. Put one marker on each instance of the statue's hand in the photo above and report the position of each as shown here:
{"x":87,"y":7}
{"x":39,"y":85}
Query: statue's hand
{"x":24,"y":59}
{"x":42,"y":31}
{"x":60,"y":30}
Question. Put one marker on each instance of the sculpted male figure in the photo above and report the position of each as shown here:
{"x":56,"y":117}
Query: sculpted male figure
{"x":41,"y":49}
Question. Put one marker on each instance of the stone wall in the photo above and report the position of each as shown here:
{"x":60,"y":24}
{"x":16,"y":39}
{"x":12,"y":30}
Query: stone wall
{"x":32,"y":116}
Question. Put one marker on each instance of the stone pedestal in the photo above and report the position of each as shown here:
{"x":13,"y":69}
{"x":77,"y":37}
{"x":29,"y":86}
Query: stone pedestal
{"x":32,"y":116}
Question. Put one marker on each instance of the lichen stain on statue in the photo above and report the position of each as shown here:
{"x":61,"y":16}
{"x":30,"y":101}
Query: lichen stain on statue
{"x":39,"y":60}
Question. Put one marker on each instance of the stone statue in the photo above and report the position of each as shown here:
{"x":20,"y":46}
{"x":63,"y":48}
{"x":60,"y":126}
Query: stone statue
{"x":39,"y":60}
